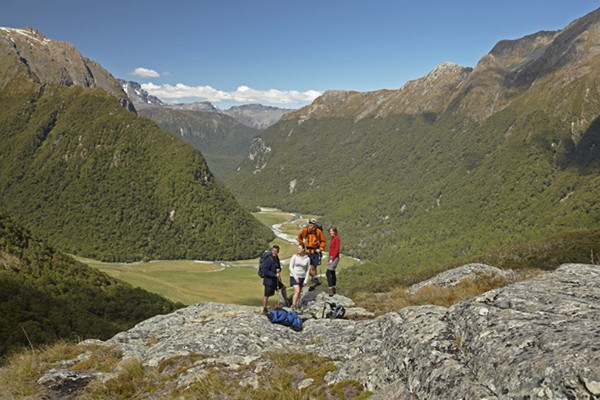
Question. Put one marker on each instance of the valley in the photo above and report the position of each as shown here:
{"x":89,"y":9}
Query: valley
{"x":230,"y":282}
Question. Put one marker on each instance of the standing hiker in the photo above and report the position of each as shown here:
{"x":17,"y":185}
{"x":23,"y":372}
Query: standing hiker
{"x":272,"y":277}
{"x":314,"y":240}
{"x":334,"y":259}
{"x":299,"y":265}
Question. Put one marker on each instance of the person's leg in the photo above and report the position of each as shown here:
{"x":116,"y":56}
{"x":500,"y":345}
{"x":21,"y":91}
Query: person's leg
{"x":314,"y":261}
{"x":296,"y":298}
{"x":329,"y":274}
{"x":330,"y":280}
{"x":269,"y":291}
{"x":333,"y":281}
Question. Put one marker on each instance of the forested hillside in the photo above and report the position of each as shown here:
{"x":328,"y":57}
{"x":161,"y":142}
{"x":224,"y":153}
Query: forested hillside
{"x":45,"y":295}
{"x":93,"y":178}
{"x":222,"y":140}
{"x":454,"y":165}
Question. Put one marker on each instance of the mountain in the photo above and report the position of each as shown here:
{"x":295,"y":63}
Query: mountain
{"x":223,"y":137}
{"x":137,"y":94}
{"x":79,"y":168}
{"x":256,"y":116}
{"x":458,"y":163}
{"x":49,"y":296}
{"x":223,"y":141}
{"x":47,"y":61}
{"x":205,"y":106}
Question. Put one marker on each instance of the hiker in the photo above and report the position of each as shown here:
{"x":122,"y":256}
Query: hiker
{"x":299,"y":265}
{"x":272,"y":277}
{"x":314,"y":240}
{"x":334,"y":259}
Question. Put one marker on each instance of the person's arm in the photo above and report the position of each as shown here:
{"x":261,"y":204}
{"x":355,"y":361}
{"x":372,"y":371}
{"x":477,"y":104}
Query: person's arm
{"x":306,"y":267}
{"x":292,"y":269}
{"x":271,"y":270}
{"x":322,"y":240}
{"x":301,"y":236}
{"x":334,"y":248}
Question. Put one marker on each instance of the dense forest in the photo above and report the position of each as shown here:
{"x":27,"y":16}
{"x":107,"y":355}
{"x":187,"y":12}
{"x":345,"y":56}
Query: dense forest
{"x":96,"y":180}
{"x":45,"y":295}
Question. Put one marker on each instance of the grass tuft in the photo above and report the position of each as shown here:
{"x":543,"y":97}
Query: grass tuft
{"x":445,"y":296}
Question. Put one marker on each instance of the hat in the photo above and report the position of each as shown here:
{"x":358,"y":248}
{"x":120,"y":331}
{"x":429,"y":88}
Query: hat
{"x":312,"y":221}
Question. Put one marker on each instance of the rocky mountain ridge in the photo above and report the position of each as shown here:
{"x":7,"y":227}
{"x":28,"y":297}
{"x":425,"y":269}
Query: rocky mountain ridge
{"x":515,"y":64}
{"x":534,"y":339}
{"x":50,"y":61}
{"x":256,"y":116}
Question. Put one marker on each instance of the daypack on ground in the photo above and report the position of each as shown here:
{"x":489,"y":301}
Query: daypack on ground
{"x":284,"y":317}
{"x":261,"y":263}
{"x":335,"y":311}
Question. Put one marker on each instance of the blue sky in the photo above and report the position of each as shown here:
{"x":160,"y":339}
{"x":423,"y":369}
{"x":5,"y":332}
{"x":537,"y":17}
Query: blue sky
{"x":283,"y":52}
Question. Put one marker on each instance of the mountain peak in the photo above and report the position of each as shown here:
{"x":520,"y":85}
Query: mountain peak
{"x":27,"y":33}
{"x":53,"y":62}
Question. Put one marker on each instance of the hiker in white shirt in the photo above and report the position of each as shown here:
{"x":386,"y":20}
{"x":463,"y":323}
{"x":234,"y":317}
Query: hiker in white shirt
{"x":299,"y":265}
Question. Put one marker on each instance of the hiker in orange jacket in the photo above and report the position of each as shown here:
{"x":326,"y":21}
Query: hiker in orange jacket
{"x":315,"y":242}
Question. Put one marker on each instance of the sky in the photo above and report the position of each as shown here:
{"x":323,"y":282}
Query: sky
{"x":283,"y":53}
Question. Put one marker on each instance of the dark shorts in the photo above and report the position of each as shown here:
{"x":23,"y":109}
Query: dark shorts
{"x":315,"y":258}
{"x":269,"y":290}
{"x":293,"y":281}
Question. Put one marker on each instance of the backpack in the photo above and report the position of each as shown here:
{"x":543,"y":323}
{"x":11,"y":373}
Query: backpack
{"x":319,"y":227}
{"x":335,"y":311}
{"x":261,"y":263}
{"x":284,"y":317}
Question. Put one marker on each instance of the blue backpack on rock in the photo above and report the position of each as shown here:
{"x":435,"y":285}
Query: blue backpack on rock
{"x":284,"y":317}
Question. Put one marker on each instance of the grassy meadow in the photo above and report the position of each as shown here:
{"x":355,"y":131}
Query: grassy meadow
{"x":231,"y":282}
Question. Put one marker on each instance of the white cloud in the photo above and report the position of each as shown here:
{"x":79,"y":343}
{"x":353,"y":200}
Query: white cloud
{"x":145,"y":73}
{"x":242,"y":94}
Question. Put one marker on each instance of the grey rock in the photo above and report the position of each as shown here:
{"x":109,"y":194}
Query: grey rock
{"x":456,"y":275}
{"x":532,"y":339}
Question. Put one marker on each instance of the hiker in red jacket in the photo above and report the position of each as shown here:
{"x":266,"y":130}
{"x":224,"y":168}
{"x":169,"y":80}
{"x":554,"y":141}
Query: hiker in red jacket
{"x":314,"y":241}
{"x":334,"y":259}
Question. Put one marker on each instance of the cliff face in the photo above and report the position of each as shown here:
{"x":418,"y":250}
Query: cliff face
{"x":532,"y":339}
{"x":48,"y":61}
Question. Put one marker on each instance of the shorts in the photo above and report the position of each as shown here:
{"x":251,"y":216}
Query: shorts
{"x":294,"y":283}
{"x":315,"y":258}
{"x":331,"y":266}
{"x":269,"y":290}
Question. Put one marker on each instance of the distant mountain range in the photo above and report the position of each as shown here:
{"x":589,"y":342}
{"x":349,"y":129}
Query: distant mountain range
{"x":452,"y":165}
{"x":79,"y":168}
{"x":224,"y":137}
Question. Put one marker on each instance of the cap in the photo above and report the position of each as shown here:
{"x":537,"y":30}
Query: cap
{"x":312,"y":221}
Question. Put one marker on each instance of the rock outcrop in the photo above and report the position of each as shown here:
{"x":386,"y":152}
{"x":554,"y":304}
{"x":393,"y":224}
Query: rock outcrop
{"x":530,"y":340}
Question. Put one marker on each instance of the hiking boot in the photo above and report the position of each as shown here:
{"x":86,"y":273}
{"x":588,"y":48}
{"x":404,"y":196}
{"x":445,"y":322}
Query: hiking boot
{"x":265,"y":311}
{"x":330,"y":291}
{"x":313,"y":284}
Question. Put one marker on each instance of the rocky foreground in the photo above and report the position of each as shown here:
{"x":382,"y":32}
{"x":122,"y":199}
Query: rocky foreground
{"x":536,"y":339}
